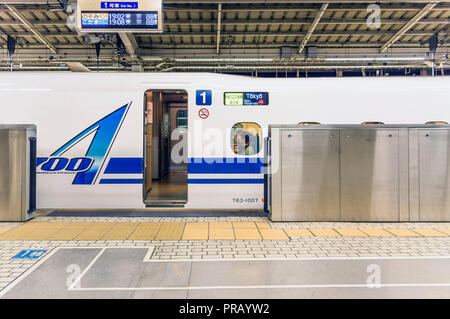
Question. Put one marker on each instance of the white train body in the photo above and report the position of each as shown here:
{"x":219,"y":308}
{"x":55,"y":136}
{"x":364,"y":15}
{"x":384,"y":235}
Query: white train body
{"x":99,"y":116}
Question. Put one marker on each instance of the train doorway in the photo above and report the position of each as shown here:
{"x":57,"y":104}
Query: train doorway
{"x":165,"y":148}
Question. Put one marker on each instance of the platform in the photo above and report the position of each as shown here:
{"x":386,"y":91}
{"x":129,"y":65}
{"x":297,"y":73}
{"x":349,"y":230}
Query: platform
{"x":222,"y":257}
{"x":236,"y":230}
{"x":126,"y":273}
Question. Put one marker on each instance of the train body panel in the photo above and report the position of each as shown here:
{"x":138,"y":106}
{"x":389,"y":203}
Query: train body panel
{"x":90,"y":128}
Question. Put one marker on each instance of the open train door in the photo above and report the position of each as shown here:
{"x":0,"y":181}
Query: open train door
{"x":165,"y":148}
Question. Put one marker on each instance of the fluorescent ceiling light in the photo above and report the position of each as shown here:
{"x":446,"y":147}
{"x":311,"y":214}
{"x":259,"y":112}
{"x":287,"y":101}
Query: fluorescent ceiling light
{"x":224,"y":60}
{"x":376,"y":59}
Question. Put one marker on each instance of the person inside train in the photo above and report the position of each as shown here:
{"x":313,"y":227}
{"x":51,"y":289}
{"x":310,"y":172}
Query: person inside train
{"x":242,"y":142}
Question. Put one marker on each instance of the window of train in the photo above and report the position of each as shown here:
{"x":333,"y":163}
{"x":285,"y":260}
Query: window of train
{"x":246,"y":138}
{"x":182,"y":119}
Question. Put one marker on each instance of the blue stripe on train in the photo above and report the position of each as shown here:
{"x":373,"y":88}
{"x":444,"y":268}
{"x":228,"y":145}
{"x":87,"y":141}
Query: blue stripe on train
{"x":125,"y":165}
{"x":228,"y":165}
{"x":226,"y":181}
{"x":196,"y":165}
{"x":121,"y":181}
{"x":190,"y":181}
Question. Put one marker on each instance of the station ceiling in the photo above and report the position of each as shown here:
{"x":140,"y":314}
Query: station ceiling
{"x":239,"y":36}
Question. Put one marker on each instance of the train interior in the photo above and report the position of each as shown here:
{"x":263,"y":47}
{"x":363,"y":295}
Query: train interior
{"x":165,"y":148}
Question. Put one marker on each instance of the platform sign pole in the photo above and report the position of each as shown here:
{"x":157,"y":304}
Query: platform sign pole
{"x":112,"y":16}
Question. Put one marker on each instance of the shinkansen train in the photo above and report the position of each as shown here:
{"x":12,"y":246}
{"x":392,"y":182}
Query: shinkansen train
{"x":186,"y":140}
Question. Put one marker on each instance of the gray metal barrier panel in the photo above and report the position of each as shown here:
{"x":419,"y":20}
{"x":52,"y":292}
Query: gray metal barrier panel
{"x":311,"y":184}
{"x":369,"y":175}
{"x":359,"y":173}
{"x":17,"y":172}
{"x":431,"y":174}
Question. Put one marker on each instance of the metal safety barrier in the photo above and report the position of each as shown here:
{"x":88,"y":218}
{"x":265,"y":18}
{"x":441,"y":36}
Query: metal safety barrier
{"x":363,"y":172}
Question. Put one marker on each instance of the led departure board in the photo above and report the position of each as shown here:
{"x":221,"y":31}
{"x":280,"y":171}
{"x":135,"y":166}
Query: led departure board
{"x":246,"y":98}
{"x":120,"y":16}
{"x":119,"y":20}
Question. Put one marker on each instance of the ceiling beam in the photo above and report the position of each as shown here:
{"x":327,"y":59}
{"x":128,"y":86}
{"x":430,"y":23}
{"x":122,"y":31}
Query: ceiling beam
{"x":249,"y":22}
{"x":181,"y":46}
{"x":131,"y":37}
{"x":219,"y":26}
{"x":419,"y":15}
{"x":265,"y":7}
{"x":130,"y":43}
{"x":18,"y":15}
{"x":156,"y":55}
{"x":295,"y":21}
{"x":313,"y":27}
{"x":288,"y":1}
{"x":34,"y":2}
{"x":244,"y":22}
{"x":77,"y":67}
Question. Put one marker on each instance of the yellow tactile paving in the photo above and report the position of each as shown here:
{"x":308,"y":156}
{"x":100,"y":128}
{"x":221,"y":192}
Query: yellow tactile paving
{"x":262,"y":225}
{"x":429,"y":232}
{"x":32,"y":226}
{"x":214,"y":225}
{"x":69,"y":231}
{"x":195,"y":231}
{"x":221,"y":233}
{"x":402,"y":232}
{"x":324,"y":232}
{"x":244,"y":225}
{"x":145,"y":231}
{"x":32,"y":231}
{"x":42,"y":231}
{"x":247,"y":234}
{"x":350,"y":232}
{"x":273,"y":234}
{"x":14,"y":234}
{"x":39,"y":234}
{"x":376,"y":232}
{"x":298,"y":232}
{"x":445,"y":231}
{"x":120,"y":231}
{"x":170,"y":231}
{"x":95,"y":231}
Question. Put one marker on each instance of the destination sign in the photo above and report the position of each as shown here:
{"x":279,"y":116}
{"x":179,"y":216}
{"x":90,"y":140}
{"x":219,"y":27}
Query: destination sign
{"x":119,"y":5}
{"x":115,"y":16}
{"x":246,"y":98}
{"x":119,"y":20}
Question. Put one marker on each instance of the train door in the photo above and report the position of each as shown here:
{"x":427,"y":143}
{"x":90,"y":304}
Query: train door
{"x":165,"y":148}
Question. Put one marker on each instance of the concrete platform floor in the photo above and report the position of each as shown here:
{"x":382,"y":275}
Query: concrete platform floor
{"x":128,"y":273}
{"x":326,"y":243}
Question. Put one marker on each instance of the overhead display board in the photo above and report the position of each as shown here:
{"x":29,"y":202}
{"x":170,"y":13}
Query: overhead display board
{"x":246,"y":98}
{"x":102,"y":16}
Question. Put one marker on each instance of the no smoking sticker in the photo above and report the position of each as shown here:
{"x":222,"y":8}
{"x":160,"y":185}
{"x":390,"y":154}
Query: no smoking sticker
{"x":203,"y":113}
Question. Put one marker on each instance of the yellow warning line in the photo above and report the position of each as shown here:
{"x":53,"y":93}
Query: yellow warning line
{"x":95,"y":231}
{"x":70,"y":231}
{"x":170,"y":231}
{"x":120,"y":231}
{"x":145,"y":231}
{"x":195,"y":231}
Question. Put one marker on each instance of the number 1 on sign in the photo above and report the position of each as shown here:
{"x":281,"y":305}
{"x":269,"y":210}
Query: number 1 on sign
{"x":203,"y":95}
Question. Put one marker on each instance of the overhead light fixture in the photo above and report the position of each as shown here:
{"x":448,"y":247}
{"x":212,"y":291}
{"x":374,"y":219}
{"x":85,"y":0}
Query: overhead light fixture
{"x":375,"y":59}
{"x":224,"y":60}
